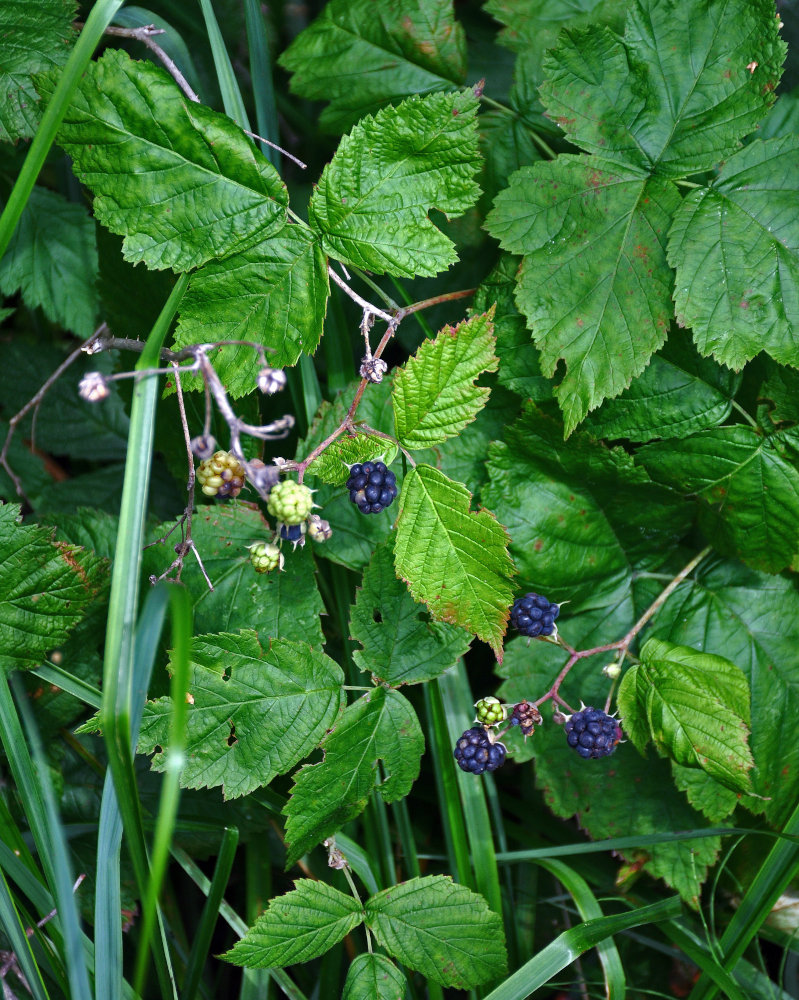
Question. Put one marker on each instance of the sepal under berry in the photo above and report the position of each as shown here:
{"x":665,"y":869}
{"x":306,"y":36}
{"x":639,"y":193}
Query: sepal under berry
{"x":490,"y":711}
{"x":290,"y":502}
{"x":372,"y":486}
{"x":221,"y":475}
{"x":534,"y":615}
{"x":475,"y":753}
{"x":265,"y":557}
{"x":593,"y":733}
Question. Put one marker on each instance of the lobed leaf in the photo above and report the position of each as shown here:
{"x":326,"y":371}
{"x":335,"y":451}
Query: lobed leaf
{"x":372,"y":201}
{"x":362,"y":54}
{"x":273,"y":294}
{"x":694,"y":707}
{"x":179,"y":181}
{"x":441,"y":929}
{"x":297,"y":927}
{"x":453,"y":559}
{"x":400,"y":643}
{"x":434,"y":395}
{"x":735,"y":246}
{"x":707,"y":796}
{"x":332,"y":466}
{"x":374,"y":977}
{"x":381,"y":725}
{"x":255,"y":711}
{"x":594,"y":282}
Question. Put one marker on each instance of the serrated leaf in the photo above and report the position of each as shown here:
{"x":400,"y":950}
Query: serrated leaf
{"x":694,"y":707}
{"x":677,"y":394}
{"x":332,"y":466}
{"x":273,"y":294}
{"x":46,"y":588}
{"x":35,"y":37}
{"x":297,"y":927}
{"x":52,"y":259}
{"x":401,"y":645}
{"x":707,"y":796}
{"x":363,"y":54}
{"x":687,"y":81}
{"x":748,"y":486}
{"x":434,"y":395}
{"x":441,"y":929}
{"x":780,"y":394}
{"x":256,"y":711}
{"x":735,"y":246}
{"x":374,"y":977}
{"x":285,"y":605}
{"x":381,"y":725}
{"x":577,"y":512}
{"x":752,"y":619}
{"x":179,"y":181}
{"x":594,"y":282}
{"x":453,"y":559}
{"x":372,"y":201}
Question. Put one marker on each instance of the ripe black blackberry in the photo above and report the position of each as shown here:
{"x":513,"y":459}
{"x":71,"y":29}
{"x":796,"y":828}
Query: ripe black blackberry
{"x":593,"y":733}
{"x":475,"y":752}
{"x":372,"y":486}
{"x":533,"y":615}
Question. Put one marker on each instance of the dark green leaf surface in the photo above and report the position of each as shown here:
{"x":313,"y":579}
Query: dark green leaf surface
{"x":441,"y":929}
{"x":283,"y":604}
{"x":401,"y":644}
{"x":297,"y":927}
{"x":46,"y":588}
{"x":687,"y":81}
{"x":362,"y":54}
{"x":593,"y":284}
{"x":35,"y":37}
{"x":52,"y":259}
{"x":256,"y":711}
{"x":694,"y":707}
{"x":578,"y":513}
{"x":381,"y":725}
{"x":434,"y":395}
{"x":372,"y":201}
{"x":182,"y":183}
{"x":273,"y":294}
{"x":735,"y":246}
{"x":374,"y":977}
{"x":753,"y":620}
{"x":452,"y":558}
{"x":748,"y":485}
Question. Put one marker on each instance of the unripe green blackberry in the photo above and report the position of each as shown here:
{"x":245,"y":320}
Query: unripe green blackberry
{"x":490,"y":711}
{"x":290,"y":502}
{"x":221,"y":475}
{"x":265,"y":557}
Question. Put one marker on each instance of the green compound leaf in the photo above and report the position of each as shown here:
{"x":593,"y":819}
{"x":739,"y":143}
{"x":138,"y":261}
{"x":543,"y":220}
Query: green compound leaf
{"x":401,"y":645}
{"x":363,"y":54}
{"x":748,"y":487}
{"x":273,"y":294}
{"x":372,"y":201}
{"x":453,"y":559}
{"x":687,"y":81}
{"x":179,"y":181}
{"x":434,"y":395}
{"x":441,"y":929}
{"x":36,"y":37}
{"x":332,"y":466}
{"x":694,"y":707}
{"x":735,"y":246}
{"x":374,"y":977}
{"x":594,"y":282}
{"x":751,"y":619}
{"x":678,"y":393}
{"x":297,"y":927}
{"x":52,"y":258}
{"x":256,"y":711}
{"x":381,"y":725}
{"x":578,"y":513}
{"x":285,"y":604}
{"x":46,"y":588}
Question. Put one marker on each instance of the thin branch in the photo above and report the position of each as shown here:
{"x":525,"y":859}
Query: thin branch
{"x":342,"y":284}
{"x":414,"y":307}
{"x":274,"y":145}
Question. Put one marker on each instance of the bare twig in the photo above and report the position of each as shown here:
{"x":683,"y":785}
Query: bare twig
{"x":367,"y":306}
{"x":274,"y":145}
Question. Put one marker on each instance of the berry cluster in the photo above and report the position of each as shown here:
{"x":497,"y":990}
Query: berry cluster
{"x":290,"y":502}
{"x":593,"y":733}
{"x":533,"y":615}
{"x":372,"y":486}
{"x":265,"y":557}
{"x":221,"y":475}
{"x":526,"y":716}
{"x":475,"y":752}
{"x":490,"y":711}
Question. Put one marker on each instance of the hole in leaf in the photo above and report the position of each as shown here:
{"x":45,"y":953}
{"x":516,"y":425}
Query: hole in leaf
{"x":377,"y":617}
{"x":232,"y":739}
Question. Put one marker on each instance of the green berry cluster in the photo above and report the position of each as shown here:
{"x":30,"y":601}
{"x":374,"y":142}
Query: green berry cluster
{"x":221,"y":475}
{"x":490,"y":711}
{"x":290,"y":502}
{"x":265,"y":556}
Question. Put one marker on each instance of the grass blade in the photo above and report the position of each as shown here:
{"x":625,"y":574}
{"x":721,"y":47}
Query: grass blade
{"x":14,"y":930}
{"x":228,"y":85}
{"x":262,"y":82}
